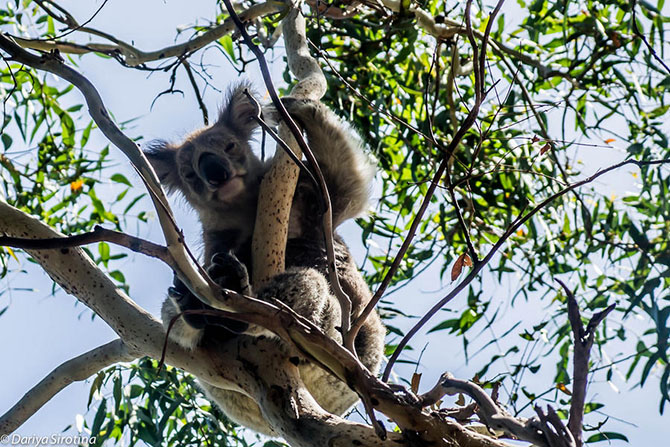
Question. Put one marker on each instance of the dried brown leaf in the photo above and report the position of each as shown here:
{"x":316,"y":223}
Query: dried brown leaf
{"x":414,"y":385}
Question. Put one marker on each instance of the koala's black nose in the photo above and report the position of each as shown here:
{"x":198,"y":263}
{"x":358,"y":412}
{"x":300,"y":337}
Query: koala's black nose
{"x":213,"y":169}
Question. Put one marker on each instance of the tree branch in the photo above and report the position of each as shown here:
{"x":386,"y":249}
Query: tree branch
{"x":278,"y":186}
{"x":580,"y":365}
{"x":185,"y":264}
{"x":133,"y":56}
{"x":76,"y":273}
{"x":493,"y":416}
{"x":98,"y":234}
{"x":73,"y":370}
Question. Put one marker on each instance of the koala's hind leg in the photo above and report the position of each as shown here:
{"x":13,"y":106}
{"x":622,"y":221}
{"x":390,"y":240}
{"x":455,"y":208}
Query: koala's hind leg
{"x":238,"y":408}
{"x":307,"y":292}
{"x":347,"y":170}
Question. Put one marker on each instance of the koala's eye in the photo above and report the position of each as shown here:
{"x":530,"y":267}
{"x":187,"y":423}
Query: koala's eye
{"x":230,"y":147}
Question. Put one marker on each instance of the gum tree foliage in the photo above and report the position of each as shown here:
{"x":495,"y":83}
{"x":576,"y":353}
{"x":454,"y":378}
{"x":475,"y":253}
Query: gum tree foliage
{"x":564,"y":80}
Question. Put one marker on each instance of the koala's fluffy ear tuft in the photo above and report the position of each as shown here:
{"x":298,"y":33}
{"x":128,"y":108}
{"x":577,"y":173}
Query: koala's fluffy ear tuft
{"x":162,"y":157}
{"x":238,"y":111}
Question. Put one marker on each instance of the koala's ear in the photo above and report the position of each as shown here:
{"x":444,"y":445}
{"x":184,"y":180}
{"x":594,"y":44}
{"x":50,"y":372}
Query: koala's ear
{"x":238,"y":112}
{"x":163,"y":158}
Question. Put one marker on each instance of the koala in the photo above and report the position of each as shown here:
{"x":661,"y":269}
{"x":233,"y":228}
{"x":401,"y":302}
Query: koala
{"x":219,"y":176}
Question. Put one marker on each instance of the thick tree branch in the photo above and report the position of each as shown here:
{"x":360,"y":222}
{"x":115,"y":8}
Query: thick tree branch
{"x":73,"y":270}
{"x":73,"y":370}
{"x":76,"y":273}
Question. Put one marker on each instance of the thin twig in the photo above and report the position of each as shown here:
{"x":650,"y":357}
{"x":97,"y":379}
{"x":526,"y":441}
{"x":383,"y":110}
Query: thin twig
{"x":196,"y":90}
{"x":639,"y":34}
{"x":261,"y":122}
{"x":511,"y":230}
{"x":447,"y":153}
{"x":99,"y":234}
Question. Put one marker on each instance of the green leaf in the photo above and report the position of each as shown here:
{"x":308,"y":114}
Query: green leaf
{"x":95,"y":386}
{"x":6,"y":140}
{"x":606,"y":436}
{"x":227,"y":44}
{"x":99,"y":417}
{"x":120,"y":178}
{"x":103,"y":249}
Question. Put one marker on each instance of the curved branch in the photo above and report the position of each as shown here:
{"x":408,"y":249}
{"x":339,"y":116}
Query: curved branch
{"x":278,"y":186}
{"x":134,"y":56}
{"x":74,"y":370}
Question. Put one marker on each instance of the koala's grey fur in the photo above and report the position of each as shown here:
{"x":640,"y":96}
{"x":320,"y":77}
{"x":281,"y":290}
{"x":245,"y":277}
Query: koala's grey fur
{"x":217,"y":172}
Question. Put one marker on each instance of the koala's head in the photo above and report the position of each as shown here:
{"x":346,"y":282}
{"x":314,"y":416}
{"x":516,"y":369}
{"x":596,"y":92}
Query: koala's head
{"x":214,"y":165}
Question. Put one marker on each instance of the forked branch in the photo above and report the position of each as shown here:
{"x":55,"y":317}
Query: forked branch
{"x":543,"y":431}
{"x":583,"y":342}
{"x":185,"y":264}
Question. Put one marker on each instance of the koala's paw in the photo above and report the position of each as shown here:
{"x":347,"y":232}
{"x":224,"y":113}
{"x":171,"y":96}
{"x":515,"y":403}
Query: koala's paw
{"x":301,"y":110}
{"x":229,"y":273}
{"x":185,"y":300}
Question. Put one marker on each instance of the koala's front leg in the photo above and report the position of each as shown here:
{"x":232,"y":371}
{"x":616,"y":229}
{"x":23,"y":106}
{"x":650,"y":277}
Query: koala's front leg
{"x":228,"y":272}
{"x":337,"y":148}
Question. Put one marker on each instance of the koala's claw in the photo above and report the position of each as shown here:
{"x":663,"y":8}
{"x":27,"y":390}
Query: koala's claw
{"x":229,"y":273}
{"x":301,"y":110}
